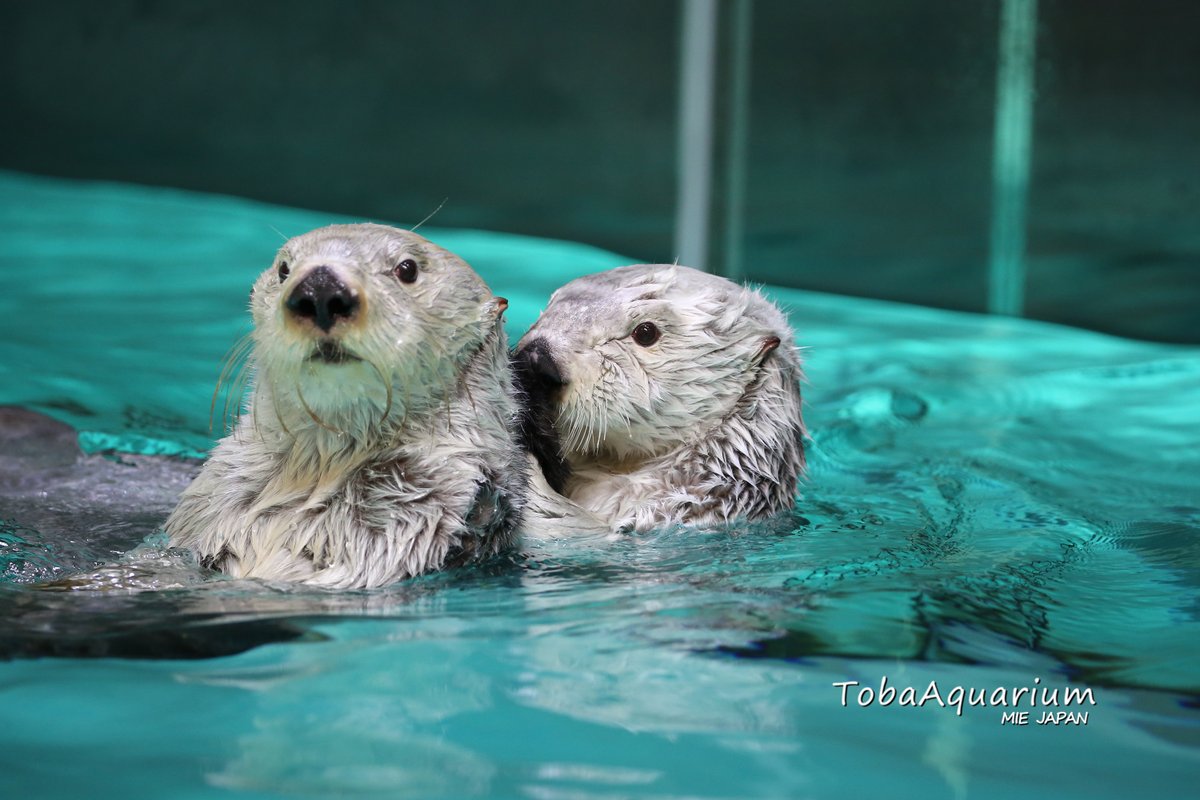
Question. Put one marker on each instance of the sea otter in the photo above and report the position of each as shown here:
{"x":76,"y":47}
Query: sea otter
{"x":379,"y":439}
{"x":660,"y":395}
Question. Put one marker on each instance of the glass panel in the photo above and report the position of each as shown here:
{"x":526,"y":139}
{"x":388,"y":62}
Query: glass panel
{"x":1114,"y":227}
{"x":870,"y":148}
{"x":868,"y":142}
{"x":555,"y":119}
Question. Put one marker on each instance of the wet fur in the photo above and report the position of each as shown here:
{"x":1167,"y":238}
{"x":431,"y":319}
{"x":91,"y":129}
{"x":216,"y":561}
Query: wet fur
{"x":363,"y":473}
{"x":538,"y":433}
{"x":702,"y":428}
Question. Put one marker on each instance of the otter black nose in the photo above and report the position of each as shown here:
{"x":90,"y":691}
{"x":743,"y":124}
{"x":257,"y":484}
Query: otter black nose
{"x":539,"y":381}
{"x":535,"y":358}
{"x":322,"y":298}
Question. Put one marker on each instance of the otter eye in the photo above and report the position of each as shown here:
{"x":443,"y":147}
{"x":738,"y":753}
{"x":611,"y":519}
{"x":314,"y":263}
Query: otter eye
{"x":646,"y":334}
{"x":283,"y":271}
{"x":406,"y":271}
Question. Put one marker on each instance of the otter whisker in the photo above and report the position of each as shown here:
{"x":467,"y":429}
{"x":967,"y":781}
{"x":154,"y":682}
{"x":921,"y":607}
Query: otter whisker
{"x":431,"y":213}
{"x":236,"y":354}
{"x":407,"y":405}
{"x":279,"y":414}
{"x":235,"y":390}
{"x":313,"y":414}
{"x":470,"y":397}
{"x":387,"y":385}
{"x":227,"y":367}
{"x":254,"y":417}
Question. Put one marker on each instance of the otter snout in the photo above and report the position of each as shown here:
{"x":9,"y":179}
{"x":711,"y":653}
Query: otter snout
{"x":539,"y":380}
{"x":323,"y":299}
{"x":537,"y":362}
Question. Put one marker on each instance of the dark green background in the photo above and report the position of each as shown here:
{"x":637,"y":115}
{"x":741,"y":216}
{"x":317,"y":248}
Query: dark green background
{"x":870,"y":130}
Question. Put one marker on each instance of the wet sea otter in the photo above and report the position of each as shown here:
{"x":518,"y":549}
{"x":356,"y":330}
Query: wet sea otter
{"x":379,"y":440}
{"x":662,"y":395}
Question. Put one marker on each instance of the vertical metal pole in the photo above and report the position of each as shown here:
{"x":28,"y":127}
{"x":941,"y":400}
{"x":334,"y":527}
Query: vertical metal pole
{"x":696,"y":84}
{"x":1011,"y":155}
{"x":733,"y":266}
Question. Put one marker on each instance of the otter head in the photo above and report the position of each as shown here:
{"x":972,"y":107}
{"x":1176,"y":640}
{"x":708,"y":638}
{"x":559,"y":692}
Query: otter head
{"x":358,"y":327}
{"x":634,"y":363}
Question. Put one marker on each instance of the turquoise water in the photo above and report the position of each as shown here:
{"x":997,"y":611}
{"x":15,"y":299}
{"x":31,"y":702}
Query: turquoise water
{"x":990,"y":503}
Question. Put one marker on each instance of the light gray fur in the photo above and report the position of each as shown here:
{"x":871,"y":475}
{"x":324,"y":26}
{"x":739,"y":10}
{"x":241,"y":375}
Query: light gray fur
{"x":703,"y":427}
{"x":364,"y":473}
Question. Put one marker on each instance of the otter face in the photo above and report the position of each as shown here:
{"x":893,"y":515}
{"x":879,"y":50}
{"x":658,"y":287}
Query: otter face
{"x":353,"y":323}
{"x":634,"y":362}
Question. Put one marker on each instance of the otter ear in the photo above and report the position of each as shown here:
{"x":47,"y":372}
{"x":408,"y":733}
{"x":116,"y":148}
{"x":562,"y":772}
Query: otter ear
{"x":498,"y":305}
{"x":766,"y":345}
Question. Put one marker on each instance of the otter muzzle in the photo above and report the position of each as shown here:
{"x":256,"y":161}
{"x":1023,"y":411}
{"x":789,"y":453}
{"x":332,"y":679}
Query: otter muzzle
{"x":323,"y":299}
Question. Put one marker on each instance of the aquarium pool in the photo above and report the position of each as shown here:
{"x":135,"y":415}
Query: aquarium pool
{"x":991,"y":504}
